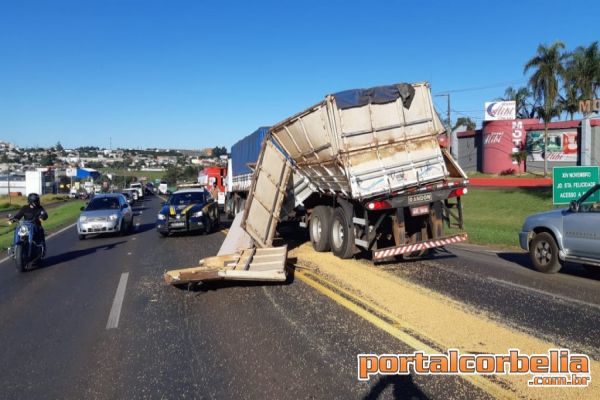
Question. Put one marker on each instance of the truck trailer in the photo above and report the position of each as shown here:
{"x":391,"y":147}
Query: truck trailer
{"x":363,"y":170}
{"x":379,"y":180}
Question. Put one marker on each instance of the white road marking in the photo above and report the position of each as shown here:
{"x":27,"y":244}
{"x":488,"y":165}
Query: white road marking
{"x":543,"y":292}
{"x":115,"y":311}
{"x":47,"y":237}
{"x":128,"y":253}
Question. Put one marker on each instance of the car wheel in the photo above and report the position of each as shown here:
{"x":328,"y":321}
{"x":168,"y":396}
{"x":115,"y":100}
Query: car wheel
{"x":81,"y":237}
{"x":341,"y":235}
{"x":122,"y":228}
{"x":163,"y":234}
{"x":544,"y":253}
{"x":320,"y":228}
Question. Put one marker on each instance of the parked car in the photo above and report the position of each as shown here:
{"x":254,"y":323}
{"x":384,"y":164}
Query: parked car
{"x":138,"y":186}
{"x":188,"y":210}
{"x":105,"y":213}
{"x":133,"y":192}
{"x":561,"y":235}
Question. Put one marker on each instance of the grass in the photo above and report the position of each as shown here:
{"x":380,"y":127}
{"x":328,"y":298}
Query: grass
{"x":495,"y":216}
{"x":17,"y":202}
{"x":58,"y":217}
{"x":529,"y":175}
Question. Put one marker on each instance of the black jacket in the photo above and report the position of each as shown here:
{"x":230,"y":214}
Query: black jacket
{"x":31,"y":213}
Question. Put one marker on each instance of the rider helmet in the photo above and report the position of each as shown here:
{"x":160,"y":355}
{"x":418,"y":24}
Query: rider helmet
{"x":33,"y":199}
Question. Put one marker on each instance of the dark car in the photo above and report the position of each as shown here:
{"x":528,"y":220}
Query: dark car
{"x":189,"y":210}
{"x":149,"y":188}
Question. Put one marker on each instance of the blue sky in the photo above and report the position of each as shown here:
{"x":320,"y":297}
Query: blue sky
{"x":193,"y":74}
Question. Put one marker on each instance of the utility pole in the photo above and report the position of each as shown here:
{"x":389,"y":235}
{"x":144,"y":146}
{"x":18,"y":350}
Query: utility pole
{"x":449,"y":121}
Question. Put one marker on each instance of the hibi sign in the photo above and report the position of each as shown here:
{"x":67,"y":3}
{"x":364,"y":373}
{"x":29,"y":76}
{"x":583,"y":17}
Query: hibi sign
{"x":499,"y":110}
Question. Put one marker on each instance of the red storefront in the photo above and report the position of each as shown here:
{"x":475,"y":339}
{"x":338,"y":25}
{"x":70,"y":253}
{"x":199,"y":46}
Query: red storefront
{"x":502,"y":138}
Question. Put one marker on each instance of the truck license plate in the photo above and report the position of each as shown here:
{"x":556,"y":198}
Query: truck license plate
{"x":419,"y":210}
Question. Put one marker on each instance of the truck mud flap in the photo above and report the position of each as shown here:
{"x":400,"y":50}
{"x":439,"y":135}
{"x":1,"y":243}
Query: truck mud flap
{"x":255,"y":264}
{"x":424,"y":245}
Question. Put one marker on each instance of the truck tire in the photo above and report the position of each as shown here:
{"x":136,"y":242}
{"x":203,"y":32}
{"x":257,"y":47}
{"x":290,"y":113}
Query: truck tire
{"x":320,"y":228}
{"x":342,"y":234}
{"x":544,"y":253}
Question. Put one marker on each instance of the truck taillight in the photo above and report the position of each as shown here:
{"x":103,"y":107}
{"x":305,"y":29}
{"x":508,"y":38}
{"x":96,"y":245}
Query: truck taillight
{"x":378,"y":205}
{"x":458,"y":192}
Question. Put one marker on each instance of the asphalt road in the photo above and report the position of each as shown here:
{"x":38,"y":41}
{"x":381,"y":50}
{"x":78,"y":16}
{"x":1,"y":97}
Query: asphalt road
{"x":64,"y":334}
{"x":563,"y":308}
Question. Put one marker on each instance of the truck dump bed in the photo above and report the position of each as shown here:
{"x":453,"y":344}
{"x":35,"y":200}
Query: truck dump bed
{"x":367,"y":142}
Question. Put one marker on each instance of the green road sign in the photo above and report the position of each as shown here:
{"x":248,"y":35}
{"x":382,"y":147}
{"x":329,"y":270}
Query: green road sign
{"x":570,"y":183}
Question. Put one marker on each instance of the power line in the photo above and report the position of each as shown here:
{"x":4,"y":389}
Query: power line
{"x":491,"y":86}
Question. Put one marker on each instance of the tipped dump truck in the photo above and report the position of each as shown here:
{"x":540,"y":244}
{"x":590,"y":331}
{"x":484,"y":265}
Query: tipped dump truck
{"x":363,"y":171}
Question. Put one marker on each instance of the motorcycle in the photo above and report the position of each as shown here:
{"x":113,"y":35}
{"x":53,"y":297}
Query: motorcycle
{"x":25,"y":251}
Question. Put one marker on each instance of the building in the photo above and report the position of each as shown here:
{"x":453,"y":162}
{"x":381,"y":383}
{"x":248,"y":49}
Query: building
{"x":490,"y":148}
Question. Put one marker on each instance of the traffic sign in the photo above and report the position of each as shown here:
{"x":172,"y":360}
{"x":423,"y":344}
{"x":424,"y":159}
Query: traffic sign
{"x":570,"y":183}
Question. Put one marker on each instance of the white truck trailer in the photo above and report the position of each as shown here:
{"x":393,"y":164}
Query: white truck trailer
{"x":364,"y":171}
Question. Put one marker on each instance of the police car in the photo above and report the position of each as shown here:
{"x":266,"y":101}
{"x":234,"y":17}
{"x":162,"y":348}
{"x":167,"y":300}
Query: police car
{"x":188,"y":210}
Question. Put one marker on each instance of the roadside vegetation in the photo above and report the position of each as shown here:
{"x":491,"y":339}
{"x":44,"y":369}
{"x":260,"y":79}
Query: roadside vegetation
{"x":495,"y":216}
{"x":58,"y":218}
{"x":17,"y":202}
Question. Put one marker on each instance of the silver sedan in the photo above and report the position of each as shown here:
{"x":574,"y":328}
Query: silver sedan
{"x":105,"y":213}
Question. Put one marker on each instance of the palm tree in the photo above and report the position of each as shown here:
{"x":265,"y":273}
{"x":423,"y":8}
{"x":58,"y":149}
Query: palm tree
{"x":466,"y":122}
{"x":583,"y":69}
{"x":548,"y":68}
{"x":569,"y":102}
{"x":521,"y":97}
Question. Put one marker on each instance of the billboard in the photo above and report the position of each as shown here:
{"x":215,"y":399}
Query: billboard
{"x":499,"y":110}
{"x":562,"y":146}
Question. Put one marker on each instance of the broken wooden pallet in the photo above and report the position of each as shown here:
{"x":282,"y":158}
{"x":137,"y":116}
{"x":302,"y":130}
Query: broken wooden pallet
{"x":263,"y":264}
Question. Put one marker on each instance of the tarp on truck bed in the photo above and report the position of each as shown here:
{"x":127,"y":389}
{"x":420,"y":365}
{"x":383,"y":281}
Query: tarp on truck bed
{"x":376,"y":95}
{"x":373,"y":145}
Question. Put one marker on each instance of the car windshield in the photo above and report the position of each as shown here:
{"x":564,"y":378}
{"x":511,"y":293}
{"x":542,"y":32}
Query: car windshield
{"x":181,"y":199}
{"x":103,"y":203}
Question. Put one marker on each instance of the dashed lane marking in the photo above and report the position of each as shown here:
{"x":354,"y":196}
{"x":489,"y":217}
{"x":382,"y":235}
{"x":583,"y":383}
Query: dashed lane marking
{"x":115,"y":311}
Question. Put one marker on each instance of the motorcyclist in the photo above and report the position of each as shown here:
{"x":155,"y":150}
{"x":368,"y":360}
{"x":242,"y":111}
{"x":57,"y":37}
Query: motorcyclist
{"x":35,"y":213}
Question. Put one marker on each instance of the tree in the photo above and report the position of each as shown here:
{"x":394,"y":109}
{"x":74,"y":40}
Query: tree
{"x":190,"y":173}
{"x":548,"y":68}
{"x":583,"y":71}
{"x":59,"y":147}
{"x":569,"y":101}
{"x":48,"y":159}
{"x":219,"y":151}
{"x":522,"y":98}
{"x":519,"y":156}
{"x":172,"y":175}
{"x":464,"y":121}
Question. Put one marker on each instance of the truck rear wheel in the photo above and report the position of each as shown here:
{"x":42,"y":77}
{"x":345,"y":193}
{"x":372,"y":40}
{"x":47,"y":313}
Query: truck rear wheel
{"x":320,"y":228}
{"x":342,"y":234}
